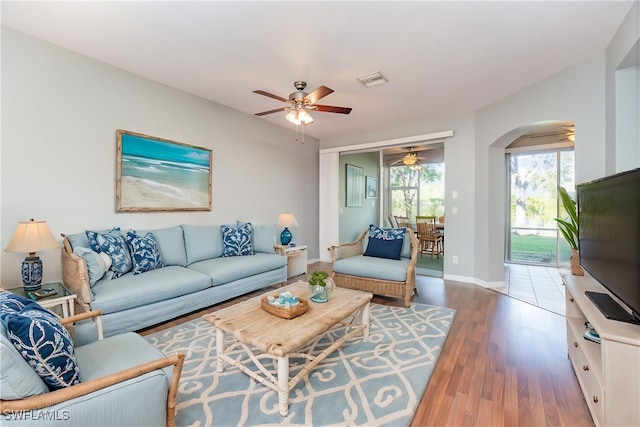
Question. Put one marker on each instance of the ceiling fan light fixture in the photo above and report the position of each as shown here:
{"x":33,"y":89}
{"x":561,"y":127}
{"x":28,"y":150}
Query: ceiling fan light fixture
{"x":299,"y":116}
{"x":410,"y":159}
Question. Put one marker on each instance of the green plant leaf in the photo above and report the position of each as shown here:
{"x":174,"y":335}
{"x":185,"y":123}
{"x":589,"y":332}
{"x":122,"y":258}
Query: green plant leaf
{"x":569,"y":229}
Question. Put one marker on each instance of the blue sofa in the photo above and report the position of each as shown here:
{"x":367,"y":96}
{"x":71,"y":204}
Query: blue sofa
{"x":195,"y":275}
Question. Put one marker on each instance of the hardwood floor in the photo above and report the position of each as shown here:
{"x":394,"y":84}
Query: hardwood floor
{"x":504,"y":362}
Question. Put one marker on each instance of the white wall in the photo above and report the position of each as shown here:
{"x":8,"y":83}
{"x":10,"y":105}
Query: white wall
{"x":60,"y":112}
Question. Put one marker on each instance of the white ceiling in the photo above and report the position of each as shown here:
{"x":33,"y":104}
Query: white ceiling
{"x":441,"y":58}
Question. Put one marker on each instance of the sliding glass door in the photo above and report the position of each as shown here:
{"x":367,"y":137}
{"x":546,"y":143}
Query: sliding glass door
{"x":533,"y":236}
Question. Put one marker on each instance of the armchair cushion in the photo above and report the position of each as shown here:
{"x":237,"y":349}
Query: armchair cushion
{"x":44,"y":343}
{"x":382,"y":269}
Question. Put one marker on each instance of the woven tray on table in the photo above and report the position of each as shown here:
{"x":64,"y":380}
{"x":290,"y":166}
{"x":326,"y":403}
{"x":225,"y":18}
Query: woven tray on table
{"x":285,"y":313}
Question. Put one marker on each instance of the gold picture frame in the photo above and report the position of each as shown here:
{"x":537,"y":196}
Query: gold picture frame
{"x":157,"y":174}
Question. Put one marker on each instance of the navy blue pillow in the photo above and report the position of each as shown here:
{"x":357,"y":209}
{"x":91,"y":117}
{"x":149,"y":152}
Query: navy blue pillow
{"x":381,"y":248}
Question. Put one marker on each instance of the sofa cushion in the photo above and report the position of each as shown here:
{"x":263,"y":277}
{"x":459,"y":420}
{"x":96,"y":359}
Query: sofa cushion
{"x":227,"y":269}
{"x":171,"y":245}
{"x":237,"y":240}
{"x":202,"y":242}
{"x":131,"y":291}
{"x":264,"y":238}
{"x":113,"y":244}
{"x":375,"y":268}
{"x":44,"y":343}
{"x":97,"y":263}
{"x":144,"y":252}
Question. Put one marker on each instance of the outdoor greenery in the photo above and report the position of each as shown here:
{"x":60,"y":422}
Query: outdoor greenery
{"x":423,"y":185}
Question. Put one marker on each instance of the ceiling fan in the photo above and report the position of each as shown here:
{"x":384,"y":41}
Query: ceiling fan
{"x":300,"y":103}
{"x":410,"y":159}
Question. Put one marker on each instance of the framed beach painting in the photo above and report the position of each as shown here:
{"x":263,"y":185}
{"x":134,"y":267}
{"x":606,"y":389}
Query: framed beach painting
{"x":156,"y":174}
{"x":355,"y":186}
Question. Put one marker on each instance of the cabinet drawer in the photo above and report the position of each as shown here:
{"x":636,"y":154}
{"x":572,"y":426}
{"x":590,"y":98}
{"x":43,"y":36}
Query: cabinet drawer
{"x":586,"y":377}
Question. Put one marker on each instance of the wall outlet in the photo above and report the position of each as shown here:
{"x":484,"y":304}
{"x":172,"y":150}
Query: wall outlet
{"x":454,"y":259}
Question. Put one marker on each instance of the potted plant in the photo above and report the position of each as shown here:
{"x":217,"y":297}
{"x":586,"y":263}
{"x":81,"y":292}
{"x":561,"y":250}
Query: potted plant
{"x":569,"y":230}
{"x":318,"y":290}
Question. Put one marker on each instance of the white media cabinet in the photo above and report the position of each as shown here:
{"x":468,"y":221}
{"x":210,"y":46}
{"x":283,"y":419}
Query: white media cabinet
{"x":609,"y":372}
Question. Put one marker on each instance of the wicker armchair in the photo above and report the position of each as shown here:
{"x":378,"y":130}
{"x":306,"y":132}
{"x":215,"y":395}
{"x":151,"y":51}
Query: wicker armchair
{"x":376,"y":285}
{"x":110,"y":394}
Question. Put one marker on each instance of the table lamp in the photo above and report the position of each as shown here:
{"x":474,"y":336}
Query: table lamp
{"x":286,"y":220}
{"x":31,"y":236}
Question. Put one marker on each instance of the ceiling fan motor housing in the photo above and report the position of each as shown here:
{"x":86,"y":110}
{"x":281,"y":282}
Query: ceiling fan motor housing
{"x":298,"y":97}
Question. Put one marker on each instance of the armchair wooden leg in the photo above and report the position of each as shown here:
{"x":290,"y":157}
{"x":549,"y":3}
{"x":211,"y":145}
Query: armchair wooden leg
{"x":172,"y":394}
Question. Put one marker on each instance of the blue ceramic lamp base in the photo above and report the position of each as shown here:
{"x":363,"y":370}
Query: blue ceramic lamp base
{"x":31,"y":271}
{"x":285,"y":236}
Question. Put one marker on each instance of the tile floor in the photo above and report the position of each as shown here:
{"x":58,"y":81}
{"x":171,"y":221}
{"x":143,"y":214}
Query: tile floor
{"x":540,"y":286}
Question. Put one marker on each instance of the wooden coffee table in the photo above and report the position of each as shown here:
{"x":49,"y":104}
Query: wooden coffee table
{"x":268,"y":338}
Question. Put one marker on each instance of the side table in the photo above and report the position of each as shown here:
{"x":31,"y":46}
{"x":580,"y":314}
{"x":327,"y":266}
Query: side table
{"x":64,"y":297}
{"x":296,"y":259}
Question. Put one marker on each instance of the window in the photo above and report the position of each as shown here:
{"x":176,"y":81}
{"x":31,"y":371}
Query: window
{"x":417,"y":190}
{"x":533,"y":236}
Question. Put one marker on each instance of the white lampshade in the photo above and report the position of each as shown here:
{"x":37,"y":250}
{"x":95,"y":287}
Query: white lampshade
{"x":30,"y":237}
{"x":287,"y":220}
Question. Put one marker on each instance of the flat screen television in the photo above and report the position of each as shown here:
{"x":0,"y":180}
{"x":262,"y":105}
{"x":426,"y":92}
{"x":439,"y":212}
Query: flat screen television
{"x":609,"y":240}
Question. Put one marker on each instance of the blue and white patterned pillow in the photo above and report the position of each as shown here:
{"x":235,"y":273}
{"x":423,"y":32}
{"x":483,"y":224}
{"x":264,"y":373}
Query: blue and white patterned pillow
{"x":112,"y":243}
{"x":11,"y":303}
{"x":237,"y":240}
{"x":144,"y":252}
{"x":386,"y":233}
{"x":385,"y":242}
{"x":44,"y":343}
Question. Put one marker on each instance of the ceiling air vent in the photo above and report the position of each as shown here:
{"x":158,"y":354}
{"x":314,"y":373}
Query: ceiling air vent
{"x":373,"y":79}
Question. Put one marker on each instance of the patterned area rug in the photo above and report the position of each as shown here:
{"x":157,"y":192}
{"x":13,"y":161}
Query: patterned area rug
{"x":379,"y":382}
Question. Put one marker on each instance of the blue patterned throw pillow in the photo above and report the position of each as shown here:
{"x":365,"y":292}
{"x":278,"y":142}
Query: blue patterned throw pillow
{"x":386,"y":233}
{"x":144,"y":252}
{"x":112,"y":243}
{"x":11,"y":303}
{"x":44,"y":343}
{"x":237,"y":240}
{"x":385,"y":242}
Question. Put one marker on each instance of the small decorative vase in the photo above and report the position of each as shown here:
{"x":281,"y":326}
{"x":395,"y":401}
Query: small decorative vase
{"x":576,"y":270}
{"x":319,"y":293}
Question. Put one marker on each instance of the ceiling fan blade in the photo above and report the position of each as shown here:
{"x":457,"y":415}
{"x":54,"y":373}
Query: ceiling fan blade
{"x":318,"y":94}
{"x":277,"y":110}
{"x":332,"y":109}
{"x":270,"y":95}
